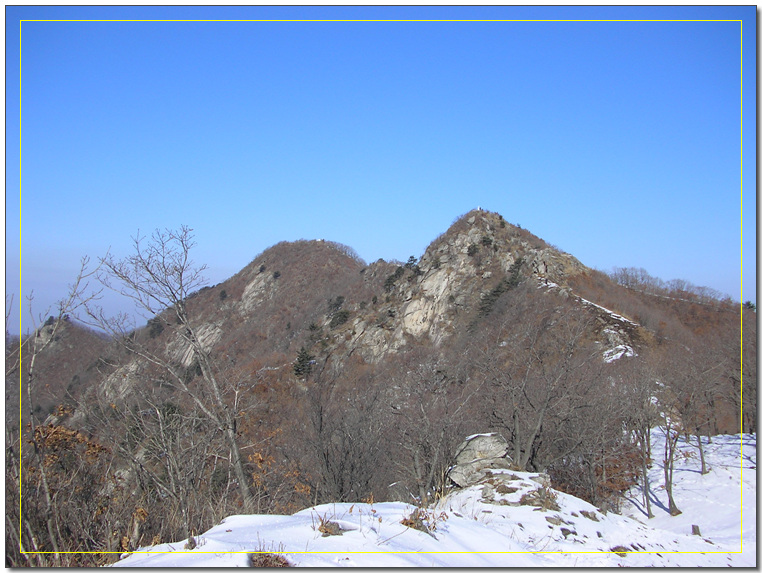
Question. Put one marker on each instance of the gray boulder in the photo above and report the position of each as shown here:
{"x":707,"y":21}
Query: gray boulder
{"x":478,"y":454}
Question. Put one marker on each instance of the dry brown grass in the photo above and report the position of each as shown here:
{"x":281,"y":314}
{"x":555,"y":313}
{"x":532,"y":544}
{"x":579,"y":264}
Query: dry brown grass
{"x":268,"y":557}
{"x":268,"y":560}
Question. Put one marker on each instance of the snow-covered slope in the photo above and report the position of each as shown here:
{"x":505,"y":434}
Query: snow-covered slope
{"x":722,"y":502}
{"x":511,"y":519}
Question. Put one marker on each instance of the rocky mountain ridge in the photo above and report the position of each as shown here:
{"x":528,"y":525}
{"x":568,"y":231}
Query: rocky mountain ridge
{"x":386,"y":306}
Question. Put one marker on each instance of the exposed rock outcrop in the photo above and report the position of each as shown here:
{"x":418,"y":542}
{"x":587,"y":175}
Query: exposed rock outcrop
{"x":476,"y":456}
{"x":483,"y":460}
{"x":181,"y":351}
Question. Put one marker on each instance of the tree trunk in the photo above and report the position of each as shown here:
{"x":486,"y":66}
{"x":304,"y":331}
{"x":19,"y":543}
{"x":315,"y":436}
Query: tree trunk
{"x":228,"y":419}
{"x":517,"y":458}
{"x":701,"y":455}
{"x":431,"y":478}
{"x":49,"y":508}
{"x":646,"y":482}
{"x":670,"y":443}
{"x":419,"y":477}
{"x":646,"y":493}
{"x":240,"y":474}
{"x":529,"y":453}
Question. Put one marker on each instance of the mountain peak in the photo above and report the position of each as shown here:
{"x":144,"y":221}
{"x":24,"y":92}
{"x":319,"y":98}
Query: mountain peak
{"x":494,"y":245}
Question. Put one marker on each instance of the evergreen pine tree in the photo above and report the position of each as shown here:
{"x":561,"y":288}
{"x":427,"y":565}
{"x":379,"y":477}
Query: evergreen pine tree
{"x":303,"y":363}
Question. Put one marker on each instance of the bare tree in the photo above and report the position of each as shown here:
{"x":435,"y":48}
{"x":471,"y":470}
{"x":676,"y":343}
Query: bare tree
{"x":48,"y":500}
{"x":671,"y":435}
{"x":159,"y":277}
{"x":737,"y":351}
{"x":638,"y":390}
{"x":668,"y":404}
{"x":430,"y":406}
{"x":171,"y":450}
{"x":341,"y":437}
{"x":694,"y":371}
{"x":542,"y":368}
{"x":748,"y":371}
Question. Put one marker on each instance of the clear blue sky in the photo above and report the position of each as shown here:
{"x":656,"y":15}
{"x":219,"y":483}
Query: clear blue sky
{"x":623,"y":143}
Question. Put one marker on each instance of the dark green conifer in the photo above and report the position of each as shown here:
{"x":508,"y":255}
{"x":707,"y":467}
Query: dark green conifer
{"x":303,"y":363}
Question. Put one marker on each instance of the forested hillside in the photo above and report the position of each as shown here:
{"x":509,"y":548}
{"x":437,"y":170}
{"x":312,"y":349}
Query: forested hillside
{"x":312,"y":377}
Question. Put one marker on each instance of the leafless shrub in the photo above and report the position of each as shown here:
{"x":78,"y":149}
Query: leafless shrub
{"x":620,"y":550}
{"x":268,"y":560}
{"x":424,"y":520}
{"x":328,"y":527}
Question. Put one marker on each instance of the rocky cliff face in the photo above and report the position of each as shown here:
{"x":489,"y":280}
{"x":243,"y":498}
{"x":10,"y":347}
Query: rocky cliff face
{"x":432,"y":299}
{"x":468,"y":261}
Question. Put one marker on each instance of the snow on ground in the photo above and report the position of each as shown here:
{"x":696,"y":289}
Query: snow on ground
{"x":487,"y":525}
{"x":722,"y":502}
{"x":613,"y":315}
{"x":617,"y":352}
{"x":617,"y":347}
{"x":549,"y":284}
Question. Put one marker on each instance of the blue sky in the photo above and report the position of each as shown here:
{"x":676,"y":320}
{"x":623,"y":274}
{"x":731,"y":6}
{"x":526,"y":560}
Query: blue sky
{"x":623,"y":143}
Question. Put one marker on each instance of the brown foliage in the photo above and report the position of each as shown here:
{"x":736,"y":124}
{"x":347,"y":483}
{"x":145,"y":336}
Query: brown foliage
{"x":424,"y":520}
{"x":268,"y":560}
